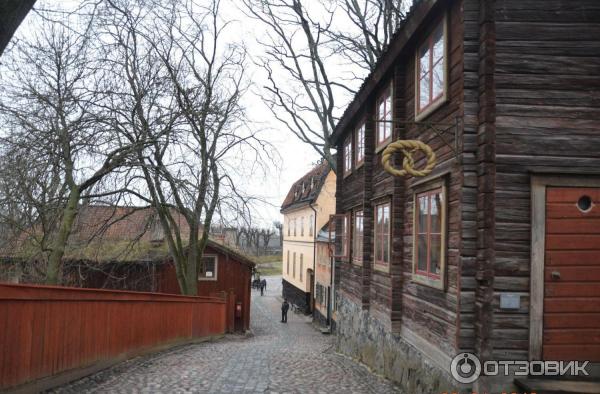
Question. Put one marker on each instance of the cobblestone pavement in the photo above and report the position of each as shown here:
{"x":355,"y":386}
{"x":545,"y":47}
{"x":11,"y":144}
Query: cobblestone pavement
{"x":278,"y":358}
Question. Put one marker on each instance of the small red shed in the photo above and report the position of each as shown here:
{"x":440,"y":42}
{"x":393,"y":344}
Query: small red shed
{"x":124,"y":248}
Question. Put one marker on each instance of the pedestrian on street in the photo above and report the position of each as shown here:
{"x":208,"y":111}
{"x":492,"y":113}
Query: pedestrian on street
{"x":264,"y":283}
{"x":284,"y":310}
{"x":262,"y":287}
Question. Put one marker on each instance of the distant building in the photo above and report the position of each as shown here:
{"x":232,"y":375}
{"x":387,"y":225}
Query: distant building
{"x":306,"y":208}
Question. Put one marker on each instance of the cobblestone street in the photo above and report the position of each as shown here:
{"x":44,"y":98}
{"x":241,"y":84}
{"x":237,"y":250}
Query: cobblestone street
{"x":278,"y":358}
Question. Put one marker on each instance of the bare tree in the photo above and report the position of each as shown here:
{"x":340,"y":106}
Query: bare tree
{"x":307,"y":45}
{"x":279,"y":227}
{"x":183,"y":89}
{"x":266,"y":235}
{"x":50,"y":107}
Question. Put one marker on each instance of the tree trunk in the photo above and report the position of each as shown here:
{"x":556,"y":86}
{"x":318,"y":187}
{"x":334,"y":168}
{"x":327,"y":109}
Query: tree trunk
{"x":191,"y":272}
{"x":60,"y":242}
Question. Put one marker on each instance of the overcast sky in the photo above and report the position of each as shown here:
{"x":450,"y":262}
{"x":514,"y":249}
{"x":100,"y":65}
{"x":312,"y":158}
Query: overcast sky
{"x":296,"y":157}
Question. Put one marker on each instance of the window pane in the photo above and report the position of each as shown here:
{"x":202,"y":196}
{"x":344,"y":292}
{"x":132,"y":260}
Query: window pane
{"x":436,"y":211}
{"x":379,"y":217}
{"x":378,"y":244}
{"x":438,"y":79}
{"x":422,"y":206}
{"x":386,"y":248}
{"x":436,"y":245}
{"x":209,"y":267}
{"x":388,"y":114}
{"x":424,"y":61}
{"x":386,"y":219}
{"x":422,"y":252}
{"x":438,"y":43}
{"x":424,"y":91}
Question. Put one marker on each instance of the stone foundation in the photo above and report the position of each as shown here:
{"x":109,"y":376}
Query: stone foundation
{"x":365,"y":339}
{"x":295,"y":296}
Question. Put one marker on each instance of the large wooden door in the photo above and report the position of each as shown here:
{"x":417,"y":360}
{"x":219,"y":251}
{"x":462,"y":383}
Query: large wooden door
{"x":571,"y":324}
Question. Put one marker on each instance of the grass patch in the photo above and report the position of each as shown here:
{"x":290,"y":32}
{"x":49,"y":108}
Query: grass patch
{"x":270,"y":271}
{"x":267,"y":259}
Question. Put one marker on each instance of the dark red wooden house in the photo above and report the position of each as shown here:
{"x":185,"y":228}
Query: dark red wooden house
{"x":496,"y":251}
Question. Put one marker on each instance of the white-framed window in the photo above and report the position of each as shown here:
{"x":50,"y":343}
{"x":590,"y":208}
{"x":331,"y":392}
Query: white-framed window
{"x":294,"y":266}
{"x":431,"y":71}
{"x":311,"y":225}
{"x":384,"y":116}
{"x":301,"y":265}
{"x":302,"y":226}
{"x":360,"y":144}
{"x":288,"y":262}
{"x":208,"y":268}
{"x":295,"y":227}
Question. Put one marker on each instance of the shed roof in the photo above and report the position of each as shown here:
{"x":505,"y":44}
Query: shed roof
{"x":104,"y":234}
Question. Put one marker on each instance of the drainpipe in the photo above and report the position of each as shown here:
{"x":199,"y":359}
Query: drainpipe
{"x":314,"y":257}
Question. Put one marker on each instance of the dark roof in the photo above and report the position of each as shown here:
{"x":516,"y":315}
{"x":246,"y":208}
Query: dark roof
{"x":12,"y":13}
{"x":418,"y":11}
{"x":306,"y":189}
{"x":120,"y":234}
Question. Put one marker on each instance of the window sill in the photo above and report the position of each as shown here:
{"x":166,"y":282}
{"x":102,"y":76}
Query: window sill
{"x":358,"y":165}
{"x":431,"y":108}
{"x":383,"y":145}
{"x":429,"y":282}
{"x":207,"y":279}
{"x":381,"y":267}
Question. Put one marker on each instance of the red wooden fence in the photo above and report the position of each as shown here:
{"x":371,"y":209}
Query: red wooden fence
{"x":46,"y":330}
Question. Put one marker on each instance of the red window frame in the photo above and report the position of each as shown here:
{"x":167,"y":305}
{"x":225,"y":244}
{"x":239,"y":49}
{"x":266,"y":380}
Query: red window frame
{"x":360,"y":144}
{"x":382,"y":232}
{"x":357,"y":237}
{"x":348,"y":155}
{"x":432,"y":63}
{"x":384,"y":124}
{"x":428,"y":273}
{"x":344,"y":236}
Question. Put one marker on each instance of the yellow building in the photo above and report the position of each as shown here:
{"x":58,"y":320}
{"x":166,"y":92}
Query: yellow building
{"x":306,"y":209}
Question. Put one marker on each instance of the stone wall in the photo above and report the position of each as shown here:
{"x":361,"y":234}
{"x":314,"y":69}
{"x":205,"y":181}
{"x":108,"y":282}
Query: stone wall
{"x":365,"y":339}
{"x":295,"y":296}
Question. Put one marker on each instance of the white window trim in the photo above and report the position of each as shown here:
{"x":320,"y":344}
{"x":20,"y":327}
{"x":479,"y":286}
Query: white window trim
{"x":444,"y":98}
{"x":215,"y":277}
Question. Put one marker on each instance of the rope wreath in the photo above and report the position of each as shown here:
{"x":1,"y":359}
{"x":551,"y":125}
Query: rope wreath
{"x":408,"y":147}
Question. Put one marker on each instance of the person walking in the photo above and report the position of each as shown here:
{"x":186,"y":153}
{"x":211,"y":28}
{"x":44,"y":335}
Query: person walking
{"x":284,"y":310}
{"x":264,"y":283}
{"x":262,"y":287}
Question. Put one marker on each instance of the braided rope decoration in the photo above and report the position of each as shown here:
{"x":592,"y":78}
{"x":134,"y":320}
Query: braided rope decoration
{"x":408,"y":147}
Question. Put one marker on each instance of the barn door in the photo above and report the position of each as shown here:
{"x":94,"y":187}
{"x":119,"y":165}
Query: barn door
{"x":571,"y":317}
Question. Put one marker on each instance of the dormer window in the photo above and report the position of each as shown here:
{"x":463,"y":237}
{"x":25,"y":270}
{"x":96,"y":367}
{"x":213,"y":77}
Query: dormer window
{"x":303,"y":187}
